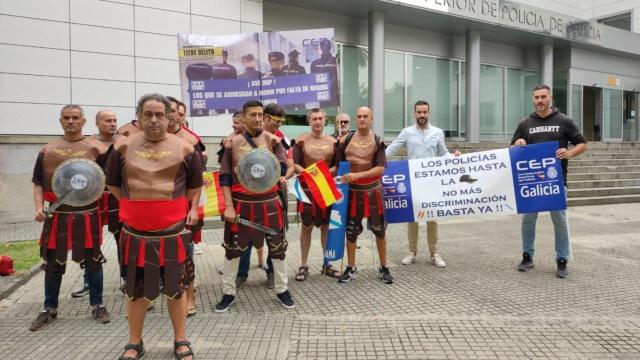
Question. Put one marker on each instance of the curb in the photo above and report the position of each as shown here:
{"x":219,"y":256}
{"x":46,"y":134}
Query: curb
{"x":21,"y":280}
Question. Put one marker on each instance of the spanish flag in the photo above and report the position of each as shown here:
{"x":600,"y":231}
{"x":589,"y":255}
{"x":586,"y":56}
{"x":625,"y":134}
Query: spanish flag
{"x":211,"y":200}
{"x":321,"y":184}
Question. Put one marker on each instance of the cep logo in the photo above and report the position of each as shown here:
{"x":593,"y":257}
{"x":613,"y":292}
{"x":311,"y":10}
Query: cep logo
{"x":535,"y":164}
{"x":396,"y":178}
{"x":310,"y":42}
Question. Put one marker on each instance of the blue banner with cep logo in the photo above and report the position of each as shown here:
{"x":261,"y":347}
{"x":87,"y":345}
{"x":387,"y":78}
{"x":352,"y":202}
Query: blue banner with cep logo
{"x":537,"y":178}
{"x":397,"y":193}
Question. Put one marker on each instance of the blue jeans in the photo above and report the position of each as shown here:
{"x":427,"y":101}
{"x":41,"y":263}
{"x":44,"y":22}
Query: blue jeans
{"x":560,"y":228}
{"x":245,"y":262}
{"x":53,"y":279}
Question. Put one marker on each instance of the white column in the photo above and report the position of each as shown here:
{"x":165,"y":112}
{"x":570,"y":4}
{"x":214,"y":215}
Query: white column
{"x":376,"y":70}
{"x":472,"y":90}
{"x":546,"y":65}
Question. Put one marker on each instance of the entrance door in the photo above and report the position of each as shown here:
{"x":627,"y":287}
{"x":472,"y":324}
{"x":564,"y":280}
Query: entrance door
{"x":590,"y":113}
{"x":630,"y":120}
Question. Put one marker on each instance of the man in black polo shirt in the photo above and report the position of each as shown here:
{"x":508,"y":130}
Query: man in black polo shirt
{"x":548,"y":124}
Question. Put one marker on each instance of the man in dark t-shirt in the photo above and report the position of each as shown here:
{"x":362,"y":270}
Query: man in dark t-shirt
{"x":547,"y":124}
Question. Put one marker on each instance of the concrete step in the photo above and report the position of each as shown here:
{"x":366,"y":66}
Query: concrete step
{"x":602,"y":169}
{"x":604,"y":191}
{"x":587,"y":184}
{"x":610,"y":155}
{"x":601,"y":200}
{"x":603,"y":161}
{"x":603,"y":176}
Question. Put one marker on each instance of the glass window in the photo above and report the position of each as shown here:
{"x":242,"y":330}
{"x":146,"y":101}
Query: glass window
{"x":435,"y":81}
{"x":576,"y":105}
{"x":611,"y":114}
{"x":491,"y":102}
{"x":355,"y":79}
{"x":520,"y":84}
{"x":393,"y":92}
{"x":560,"y":83}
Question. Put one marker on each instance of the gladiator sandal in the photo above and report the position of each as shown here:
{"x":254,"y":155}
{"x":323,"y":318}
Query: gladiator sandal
{"x":139,"y":348}
{"x":182,"y":355}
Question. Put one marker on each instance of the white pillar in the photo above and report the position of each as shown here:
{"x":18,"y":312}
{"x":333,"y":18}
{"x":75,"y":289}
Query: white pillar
{"x":546,"y":65}
{"x":472,"y":90}
{"x":376,"y":70}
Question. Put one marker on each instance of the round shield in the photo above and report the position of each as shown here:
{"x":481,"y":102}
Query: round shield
{"x":258,"y":170}
{"x":79,"y":181}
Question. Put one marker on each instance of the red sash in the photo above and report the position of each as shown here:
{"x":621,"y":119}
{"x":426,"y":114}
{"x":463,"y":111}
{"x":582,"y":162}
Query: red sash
{"x":153,"y":215}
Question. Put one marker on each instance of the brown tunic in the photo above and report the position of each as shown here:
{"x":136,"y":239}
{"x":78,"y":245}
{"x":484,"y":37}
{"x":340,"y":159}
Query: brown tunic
{"x":108,"y":142}
{"x":154,"y":177}
{"x":153,"y":170}
{"x":366,"y":198}
{"x":307,"y":150}
{"x":108,"y":204}
{"x":130,"y":128}
{"x":362,"y":152}
{"x":266,"y":209}
{"x":237,"y":146}
{"x":70,"y":228}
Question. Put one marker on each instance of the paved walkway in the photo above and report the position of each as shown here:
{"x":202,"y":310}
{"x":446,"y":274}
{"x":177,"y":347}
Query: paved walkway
{"x":479,"y":307}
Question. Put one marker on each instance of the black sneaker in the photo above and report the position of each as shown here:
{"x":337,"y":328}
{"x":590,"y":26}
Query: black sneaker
{"x":385,"y":275}
{"x":348,"y":274}
{"x":526,"y":263}
{"x":80,"y":292}
{"x":101,"y":315}
{"x":43,"y":319}
{"x":562,"y":271}
{"x":240,"y":281}
{"x":225,"y":303}
{"x":286,"y":300}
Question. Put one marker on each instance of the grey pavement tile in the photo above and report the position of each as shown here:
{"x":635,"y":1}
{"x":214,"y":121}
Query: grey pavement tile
{"x":478,"y":307}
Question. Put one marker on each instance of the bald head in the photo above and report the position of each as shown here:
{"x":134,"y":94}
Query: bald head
{"x":107,"y":123}
{"x":365,"y":109}
{"x":364,"y":119}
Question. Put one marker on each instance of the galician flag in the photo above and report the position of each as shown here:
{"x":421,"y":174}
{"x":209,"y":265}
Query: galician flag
{"x":294,"y":187}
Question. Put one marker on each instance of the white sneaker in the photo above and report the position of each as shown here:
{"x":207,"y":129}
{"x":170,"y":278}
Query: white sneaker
{"x":197,"y":250}
{"x":437,"y":261}
{"x":409,"y":259}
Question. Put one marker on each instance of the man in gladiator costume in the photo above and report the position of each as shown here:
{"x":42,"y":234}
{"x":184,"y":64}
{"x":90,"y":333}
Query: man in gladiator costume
{"x":176,"y":118}
{"x":261,"y":208}
{"x":308,"y":149}
{"x":70,"y":228}
{"x":107,"y":124}
{"x":155,"y":175}
{"x":365,"y":151}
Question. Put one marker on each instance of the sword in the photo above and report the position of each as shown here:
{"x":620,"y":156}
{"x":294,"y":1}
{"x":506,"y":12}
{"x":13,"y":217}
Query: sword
{"x":52,"y":208}
{"x":255,"y":226}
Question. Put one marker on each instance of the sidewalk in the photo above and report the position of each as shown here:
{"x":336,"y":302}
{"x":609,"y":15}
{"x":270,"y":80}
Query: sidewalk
{"x":478,"y":307}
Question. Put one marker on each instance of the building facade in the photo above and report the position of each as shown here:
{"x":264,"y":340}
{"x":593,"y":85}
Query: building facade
{"x":106,"y":53}
{"x":474,"y":61}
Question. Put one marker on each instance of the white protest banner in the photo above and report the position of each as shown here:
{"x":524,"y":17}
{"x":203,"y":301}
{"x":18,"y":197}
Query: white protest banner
{"x":504,"y":181}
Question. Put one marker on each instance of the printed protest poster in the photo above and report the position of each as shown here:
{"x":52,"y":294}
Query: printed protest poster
{"x":295,"y":69}
{"x":504,"y":181}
